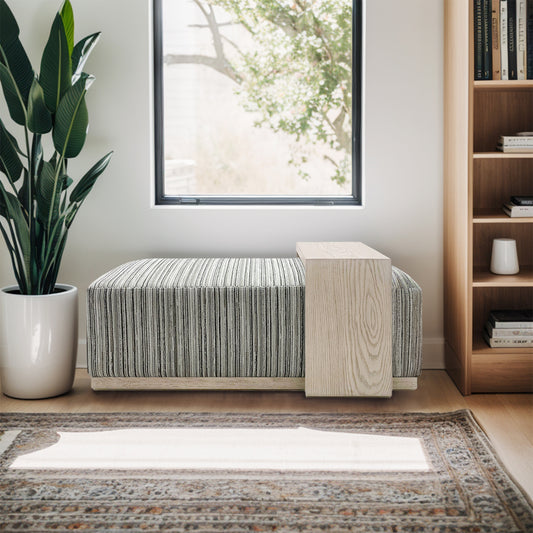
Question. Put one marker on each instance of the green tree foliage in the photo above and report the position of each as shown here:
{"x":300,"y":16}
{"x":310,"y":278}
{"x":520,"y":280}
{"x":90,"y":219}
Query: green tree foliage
{"x":297,"y":75}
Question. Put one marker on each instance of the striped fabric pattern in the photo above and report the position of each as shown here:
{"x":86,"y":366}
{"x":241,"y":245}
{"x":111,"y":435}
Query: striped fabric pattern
{"x":198,"y":318}
{"x":406,"y":325}
{"x":219,"y":317}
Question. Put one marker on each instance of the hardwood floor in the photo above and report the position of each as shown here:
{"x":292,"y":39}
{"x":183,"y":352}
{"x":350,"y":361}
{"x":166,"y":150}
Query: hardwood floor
{"x":506,"y":418}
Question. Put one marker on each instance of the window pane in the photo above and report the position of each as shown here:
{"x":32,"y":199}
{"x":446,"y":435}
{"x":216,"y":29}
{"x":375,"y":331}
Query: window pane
{"x":257,"y":97}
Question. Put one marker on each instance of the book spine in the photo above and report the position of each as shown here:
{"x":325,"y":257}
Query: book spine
{"x":511,"y":325}
{"x":521,"y":28}
{"x":515,"y":149}
{"x":487,"y":39}
{"x":522,"y":200}
{"x":516,"y":140}
{"x":478,"y":41}
{"x":518,"y":210}
{"x":496,"y":63}
{"x":504,"y":52}
{"x":511,"y":38}
{"x":526,"y":334}
{"x":529,"y":40}
{"x":511,"y":343}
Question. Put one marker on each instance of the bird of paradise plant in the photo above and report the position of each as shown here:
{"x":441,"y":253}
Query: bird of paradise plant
{"x":38,"y":198}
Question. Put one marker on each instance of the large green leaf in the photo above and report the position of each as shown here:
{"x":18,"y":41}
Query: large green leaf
{"x":56,"y":68}
{"x":3,"y":205}
{"x":84,"y":186}
{"x":67,"y":16}
{"x":39,"y":118}
{"x":10,"y":163}
{"x":13,"y":211}
{"x":15,"y":103}
{"x":14,"y":57}
{"x":80,"y":54}
{"x":47,"y":194}
{"x":9,"y":29}
{"x":72,"y":119}
{"x":22,"y":195}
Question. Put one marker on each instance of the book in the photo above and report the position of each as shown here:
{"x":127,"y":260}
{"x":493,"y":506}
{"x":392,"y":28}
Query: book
{"x":529,"y":40}
{"x":508,"y":333}
{"x":515,"y":149}
{"x":507,"y":343}
{"x":522,"y":200}
{"x":496,"y":62}
{"x":504,"y":52}
{"x":478,"y":41}
{"x":511,"y":318}
{"x":511,"y":38}
{"x":517,"y":211}
{"x":515,"y":140}
{"x":521,"y":28}
{"x":486,"y":8}
{"x":515,"y":143}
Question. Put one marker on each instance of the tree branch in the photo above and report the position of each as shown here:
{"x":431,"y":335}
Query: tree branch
{"x":343,"y":138}
{"x":215,"y":63}
{"x":220,"y":63}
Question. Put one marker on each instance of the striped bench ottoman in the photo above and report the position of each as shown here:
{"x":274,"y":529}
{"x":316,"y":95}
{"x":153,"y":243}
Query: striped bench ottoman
{"x":219,"y":323}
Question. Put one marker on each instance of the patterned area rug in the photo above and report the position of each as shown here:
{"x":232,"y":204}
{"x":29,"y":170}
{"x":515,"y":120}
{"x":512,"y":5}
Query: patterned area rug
{"x":254,"y":472}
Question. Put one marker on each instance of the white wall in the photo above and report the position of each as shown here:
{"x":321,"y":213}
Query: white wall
{"x":402,"y":216}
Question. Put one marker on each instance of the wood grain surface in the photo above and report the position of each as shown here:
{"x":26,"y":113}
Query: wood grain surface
{"x":242,"y":384}
{"x":348,"y":320}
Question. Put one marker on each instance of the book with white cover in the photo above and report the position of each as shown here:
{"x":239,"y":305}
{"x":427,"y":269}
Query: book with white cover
{"x":519,"y":333}
{"x":517,"y":211}
{"x":507,"y":342}
{"x":504,"y":51}
{"x":516,"y":140}
{"x":521,"y":48}
{"x":526,"y":149}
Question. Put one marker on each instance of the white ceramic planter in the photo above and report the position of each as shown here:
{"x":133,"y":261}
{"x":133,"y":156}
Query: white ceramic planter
{"x":38,"y":342}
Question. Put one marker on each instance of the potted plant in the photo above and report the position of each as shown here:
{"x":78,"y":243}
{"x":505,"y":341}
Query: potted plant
{"x":38,"y":203}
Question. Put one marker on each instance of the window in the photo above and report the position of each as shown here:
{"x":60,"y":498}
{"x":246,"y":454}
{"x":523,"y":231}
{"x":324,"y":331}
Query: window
{"x":258,"y":101}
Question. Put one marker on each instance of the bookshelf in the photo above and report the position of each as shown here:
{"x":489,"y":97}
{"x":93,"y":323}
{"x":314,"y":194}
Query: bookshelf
{"x":477,"y":181}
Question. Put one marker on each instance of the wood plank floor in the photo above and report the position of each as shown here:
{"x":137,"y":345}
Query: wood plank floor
{"x":506,"y":418}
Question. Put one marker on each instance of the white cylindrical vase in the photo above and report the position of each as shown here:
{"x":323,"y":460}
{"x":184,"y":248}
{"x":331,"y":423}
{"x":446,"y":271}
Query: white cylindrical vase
{"x":38,"y":342}
{"x":504,"y":259}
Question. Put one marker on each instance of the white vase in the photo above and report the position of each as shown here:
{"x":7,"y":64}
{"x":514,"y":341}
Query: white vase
{"x":504,"y":259}
{"x":38,"y":342}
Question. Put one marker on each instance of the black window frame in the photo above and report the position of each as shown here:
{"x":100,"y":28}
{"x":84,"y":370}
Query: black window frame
{"x":355,"y":199}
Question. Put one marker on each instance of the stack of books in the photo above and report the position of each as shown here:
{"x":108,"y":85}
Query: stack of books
{"x":509,"y":328}
{"x":519,"y":206}
{"x":503,"y":39}
{"x":520,"y":143}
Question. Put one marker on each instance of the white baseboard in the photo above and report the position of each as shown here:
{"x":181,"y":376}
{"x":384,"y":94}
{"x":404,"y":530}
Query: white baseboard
{"x":432,"y":354}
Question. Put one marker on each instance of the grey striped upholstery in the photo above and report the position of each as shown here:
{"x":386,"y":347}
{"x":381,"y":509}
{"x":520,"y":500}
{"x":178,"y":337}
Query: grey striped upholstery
{"x":219,"y":318}
{"x":406,"y":325}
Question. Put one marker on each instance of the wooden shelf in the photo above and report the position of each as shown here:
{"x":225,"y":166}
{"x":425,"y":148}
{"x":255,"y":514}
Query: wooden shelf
{"x":502,"y":155}
{"x":497,"y":216}
{"x":504,"y":85}
{"x":478,"y":179}
{"x":484,"y":278}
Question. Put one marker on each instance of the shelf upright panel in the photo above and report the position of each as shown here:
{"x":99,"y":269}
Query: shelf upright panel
{"x":458,"y":162}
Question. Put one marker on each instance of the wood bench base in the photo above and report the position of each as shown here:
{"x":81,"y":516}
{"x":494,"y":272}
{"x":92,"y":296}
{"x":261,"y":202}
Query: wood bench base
{"x":248,"y":384}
